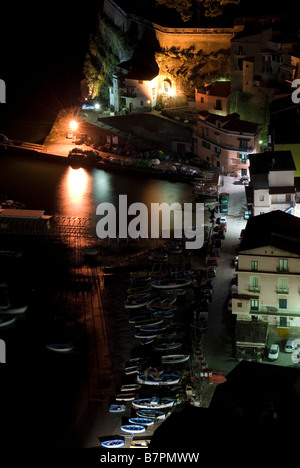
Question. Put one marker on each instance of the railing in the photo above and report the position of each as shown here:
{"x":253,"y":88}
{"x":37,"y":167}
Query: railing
{"x":282,"y":290}
{"x":254,"y":288}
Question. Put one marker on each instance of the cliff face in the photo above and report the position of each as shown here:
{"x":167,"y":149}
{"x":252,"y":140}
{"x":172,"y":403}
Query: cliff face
{"x":186,"y":57}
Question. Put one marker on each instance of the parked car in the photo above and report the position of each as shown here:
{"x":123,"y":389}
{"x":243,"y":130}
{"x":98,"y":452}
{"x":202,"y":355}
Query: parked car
{"x":289,"y":346}
{"x":211,"y":272}
{"x":223,"y":226}
{"x":223,"y":209}
{"x":273,"y":352}
{"x":223,"y":219}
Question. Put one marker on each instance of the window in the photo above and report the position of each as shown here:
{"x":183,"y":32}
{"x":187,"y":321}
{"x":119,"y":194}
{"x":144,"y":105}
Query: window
{"x":218,"y":104}
{"x":240,"y":304}
{"x":283,"y":264}
{"x":283,"y":286}
{"x":218,"y":164}
{"x":254,"y":283}
{"x":283,"y":321}
{"x":142,"y":103}
{"x":282,"y":304}
{"x":202,"y":100}
{"x":261,"y":198}
{"x":205,"y":144}
{"x":253,"y":304}
{"x":207,"y":131}
{"x":254,"y":265}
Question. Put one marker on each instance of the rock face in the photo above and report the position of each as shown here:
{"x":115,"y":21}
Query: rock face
{"x":186,"y":57}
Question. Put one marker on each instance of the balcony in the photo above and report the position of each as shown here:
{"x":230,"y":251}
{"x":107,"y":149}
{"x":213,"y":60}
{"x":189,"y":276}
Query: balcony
{"x":282,"y":290}
{"x":282,"y":270}
{"x":254,"y":289}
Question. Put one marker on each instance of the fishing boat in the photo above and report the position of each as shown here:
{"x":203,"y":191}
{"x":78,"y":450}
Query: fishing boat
{"x":175,"y":358}
{"x":147,"y":321}
{"x":154,"y":379}
{"x":130,"y":387}
{"x":154,"y":328}
{"x":135,"y":296}
{"x":153,"y":403}
{"x":142,"y":443}
{"x":167,"y":346}
{"x":171,"y":282}
{"x":113,"y":443}
{"x":142,"y":421}
{"x":6,"y":320}
{"x":136,"y":303}
{"x":133,"y":428}
{"x":164,"y":314}
{"x":115,"y":408}
{"x":142,"y":335}
{"x":59,"y":347}
{"x":126,"y":396}
{"x":162,"y":301}
{"x":16,"y":310}
{"x":150,"y":413}
{"x":129,"y":370}
{"x":139,"y":289}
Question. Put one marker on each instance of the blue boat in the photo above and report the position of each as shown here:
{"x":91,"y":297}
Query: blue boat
{"x":113,"y":443}
{"x":171,"y":282}
{"x":141,"y":421}
{"x":164,"y":346}
{"x":164,"y":314}
{"x":117,"y":408}
{"x":152,"y":414}
{"x":136,"y":303}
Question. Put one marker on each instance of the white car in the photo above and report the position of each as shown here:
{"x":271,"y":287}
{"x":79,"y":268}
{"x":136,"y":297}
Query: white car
{"x":223,"y":219}
{"x":273,"y":352}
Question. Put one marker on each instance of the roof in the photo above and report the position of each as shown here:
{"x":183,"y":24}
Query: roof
{"x":231,"y":122}
{"x":218,"y":89}
{"x":276,"y":228}
{"x":15,"y":213}
{"x":270,"y":161}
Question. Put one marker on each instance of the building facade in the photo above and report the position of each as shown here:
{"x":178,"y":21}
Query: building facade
{"x":272,"y":185}
{"x":268,"y":272}
{"x":226,"y":141}
{"x":214,"y":98}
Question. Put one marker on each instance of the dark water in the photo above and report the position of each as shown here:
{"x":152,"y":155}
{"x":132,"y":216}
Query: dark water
{"x":39,"y":388}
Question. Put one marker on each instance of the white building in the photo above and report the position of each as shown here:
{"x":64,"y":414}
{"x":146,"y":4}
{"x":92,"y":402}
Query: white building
{"x":272,"y":184}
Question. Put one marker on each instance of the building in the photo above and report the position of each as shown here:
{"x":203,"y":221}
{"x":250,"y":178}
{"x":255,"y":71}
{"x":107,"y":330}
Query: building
{"x":134,"y":87}
{"x":272,"y":185}
{"x":226,"y":141}
{"x":268,"y":275}
{"x":214,"y":98}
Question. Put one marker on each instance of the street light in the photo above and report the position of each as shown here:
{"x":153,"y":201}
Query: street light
{"x":73,"y":125}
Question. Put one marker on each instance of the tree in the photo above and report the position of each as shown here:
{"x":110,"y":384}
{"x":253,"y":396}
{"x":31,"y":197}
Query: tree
{"x":185,"y":7}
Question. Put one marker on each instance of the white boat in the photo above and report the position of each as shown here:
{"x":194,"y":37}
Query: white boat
{"x":150,"y":413}
{"x":130,"y":387}
{"x":6,"y":320}
{"x":136,"y":303}
{"x":154,"y":328}
{"x":142,"y":421}
{"x":16,"y":310}
{"x":59,"y":347}
{"x":164,"y":346}
{"x":126,"y":396}
{"x":113,"y":443}
{"x":133,"y":428}
{"x":175,"y":358}
{"x":154,"y":379}
{"x":164,"y":314}
{"x":171,"y":282}
{"x":142,"y":335}
{"x":153,"y":403}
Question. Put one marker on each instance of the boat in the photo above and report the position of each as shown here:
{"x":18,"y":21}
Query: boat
{"x":154,"y":328}
{"x":139,"y":289}
{"x":153,"y":379}
{"x":142,"y":443}
{"x":153,"y":403}
{"x":142,"y":421}
{"x":59,"y":347}
{"x":136,"y":303}
{"x":115,"y":408}
{"x":175,"y":292}
{"x":162,"y":301}
{"x":126,"y":396}
{"x":167,"y":346}
{"x":150,"y":413}
{"x":113,"y":443}
{"x":173,"y":335}
{"x":130,"y":387}
{"x":10,"y":253}
{"x":137,"y":296}
{"x":138,"y":322}
{"x":175,"y":358}
{"x":131,"y":369}
{"x":6,"y":320}
{"x":171,"y":282}
{"x":142,"y":335}
{"x":16,"y":310}
{"x":164,"y":314}
{"x":133,"y":428}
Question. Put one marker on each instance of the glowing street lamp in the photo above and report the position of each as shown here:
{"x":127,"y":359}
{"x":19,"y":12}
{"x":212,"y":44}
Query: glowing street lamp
{"x":73,"y":125}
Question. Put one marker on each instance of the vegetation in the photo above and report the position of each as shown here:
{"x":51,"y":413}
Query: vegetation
{"x":186,"y":8}
{"x":107,"y":48}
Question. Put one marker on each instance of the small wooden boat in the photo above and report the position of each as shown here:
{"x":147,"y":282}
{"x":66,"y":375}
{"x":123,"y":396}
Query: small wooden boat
{"x":160,"y":302}
{"x":142,"y":421}
{"x":171,"y":282}
{"x":142,"y":443}
{"x":139,"y":289}
{"x":126,"y":396}
{"x":164,"y":314}
{"x":6,"y":320}
{"x":16,"y":310}
{"x":129,"y":370}
{"x":142,"y":335}
{"x":153,"y":403}
{"x":133,"y":428}
{"x":150,"y":413}
{"x":113,"y":443}
{"x":59,"y":347}
{"x":175,"y":358}
{"x":136,"y":303}
{"x":130,"y":387}
{"x":164,"y":346}
{"x":157,"y":328}
{"x":115,"y":408}
{"x":147,"y":321}
{"x":153,"y":379}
